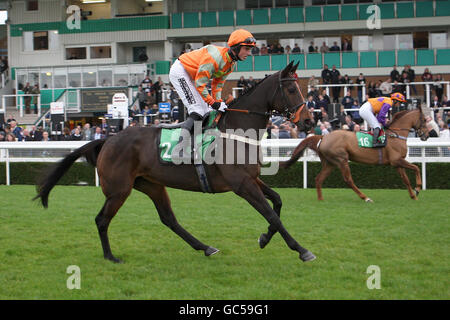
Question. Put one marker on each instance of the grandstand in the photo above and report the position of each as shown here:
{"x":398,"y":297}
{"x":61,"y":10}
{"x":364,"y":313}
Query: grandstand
{"x":116,"y":43}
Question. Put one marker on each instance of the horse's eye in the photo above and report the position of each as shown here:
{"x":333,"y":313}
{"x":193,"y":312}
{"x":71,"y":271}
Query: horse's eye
{"x":291,"y":90}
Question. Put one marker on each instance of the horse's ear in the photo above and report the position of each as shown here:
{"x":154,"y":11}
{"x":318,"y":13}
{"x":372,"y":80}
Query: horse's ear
{"x":287,"y":70}
{"x":295,"y":67}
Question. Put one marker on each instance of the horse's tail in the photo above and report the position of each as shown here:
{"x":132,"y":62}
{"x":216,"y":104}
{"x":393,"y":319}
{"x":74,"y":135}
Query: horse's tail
{"x":90,"y":151}
{"x":310,"y":142}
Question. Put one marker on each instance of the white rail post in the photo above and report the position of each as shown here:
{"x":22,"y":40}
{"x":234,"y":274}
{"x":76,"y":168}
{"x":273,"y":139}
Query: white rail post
{"x":424,"y":174}
{"x":407,"y":91}
{"x":97,"y":180}
{"x":363,"y":97}
{"x":428,"y":95}
{"x":305,"y":173}
{"x":8,"y":181}
{"x":39,"y":104}
{"x":424,"y":171}
{"x":21,"y":106}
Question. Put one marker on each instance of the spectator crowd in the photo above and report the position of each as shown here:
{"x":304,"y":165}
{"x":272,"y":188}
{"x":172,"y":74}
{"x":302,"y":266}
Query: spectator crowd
{"x":277,"y":48}
{"x":348,"y":118}
{"x":150,"y":93}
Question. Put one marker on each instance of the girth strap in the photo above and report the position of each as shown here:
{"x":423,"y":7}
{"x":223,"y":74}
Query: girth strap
{"x":203,"y":178}
{"x":380,"y":155}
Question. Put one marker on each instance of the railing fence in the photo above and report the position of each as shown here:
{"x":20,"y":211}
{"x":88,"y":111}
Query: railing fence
{"x":274,"y":150}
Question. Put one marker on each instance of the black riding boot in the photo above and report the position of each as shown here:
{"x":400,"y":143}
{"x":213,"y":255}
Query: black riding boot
{"x":376,"y":143}
{"x":188,"y":124}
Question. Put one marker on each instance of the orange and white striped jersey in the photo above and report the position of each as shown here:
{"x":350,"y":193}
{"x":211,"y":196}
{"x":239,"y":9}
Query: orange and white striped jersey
{"x":208,"y":62}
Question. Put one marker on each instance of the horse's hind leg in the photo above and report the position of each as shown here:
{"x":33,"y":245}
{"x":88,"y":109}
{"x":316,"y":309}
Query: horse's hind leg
{"x":327,"y":168}
{"x":161,"y":200}
{"x":275,"y":198}
{"x":103,"y":219}
{"x":347,"y":175}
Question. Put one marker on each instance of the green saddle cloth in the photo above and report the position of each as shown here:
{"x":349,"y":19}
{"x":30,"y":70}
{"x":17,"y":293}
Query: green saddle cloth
{"x":365,"y":140}
{"x":170,"y":138}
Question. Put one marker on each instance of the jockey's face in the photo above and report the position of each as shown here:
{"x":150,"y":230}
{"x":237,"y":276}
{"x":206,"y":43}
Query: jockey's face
{"x":245,"y":52}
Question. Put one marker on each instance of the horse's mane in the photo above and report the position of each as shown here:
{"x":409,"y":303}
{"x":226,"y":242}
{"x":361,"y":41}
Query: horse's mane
{"x":400,"y":114}
{"x":247,"y":91}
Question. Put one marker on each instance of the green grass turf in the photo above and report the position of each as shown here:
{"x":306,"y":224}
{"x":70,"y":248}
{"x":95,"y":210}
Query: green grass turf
{"x":408,"y":240}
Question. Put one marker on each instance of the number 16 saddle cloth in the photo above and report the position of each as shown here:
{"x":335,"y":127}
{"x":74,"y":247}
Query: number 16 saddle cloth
{"x":365,"y":139}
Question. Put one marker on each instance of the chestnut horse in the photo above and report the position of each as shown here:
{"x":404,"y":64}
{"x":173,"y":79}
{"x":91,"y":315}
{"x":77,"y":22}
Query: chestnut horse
{"x":338,"y":147}
{"x":131,"y":160}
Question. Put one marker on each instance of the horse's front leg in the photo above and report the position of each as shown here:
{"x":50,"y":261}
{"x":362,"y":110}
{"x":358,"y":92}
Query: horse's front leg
{"x":275,"y":198}
{"x":251,"y":191}
{"x":401,"y":165}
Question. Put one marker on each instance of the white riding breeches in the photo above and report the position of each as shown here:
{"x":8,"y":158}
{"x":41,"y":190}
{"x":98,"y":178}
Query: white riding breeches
{"x":366,"y":112}
{"x":184,"y":85}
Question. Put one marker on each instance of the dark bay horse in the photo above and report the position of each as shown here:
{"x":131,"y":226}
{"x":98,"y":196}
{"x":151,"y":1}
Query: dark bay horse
{"x":131,"y":160}
{"x":338,"y":147}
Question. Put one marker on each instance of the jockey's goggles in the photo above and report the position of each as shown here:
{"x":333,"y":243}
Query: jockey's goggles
{"x":249,"y":42}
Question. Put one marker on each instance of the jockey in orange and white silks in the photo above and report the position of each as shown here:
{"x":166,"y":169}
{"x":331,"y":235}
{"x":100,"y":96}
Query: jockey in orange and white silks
{"x":192,"y":71}
{"x":375,"y":110}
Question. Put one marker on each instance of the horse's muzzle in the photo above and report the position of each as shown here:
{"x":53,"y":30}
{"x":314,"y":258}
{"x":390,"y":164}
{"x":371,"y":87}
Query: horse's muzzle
{"x":305,"y":125}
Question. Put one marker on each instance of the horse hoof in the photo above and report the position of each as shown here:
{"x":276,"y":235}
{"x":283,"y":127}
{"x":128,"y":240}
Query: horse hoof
{"x":417,"y":192}
{"x":369,"y":200}
{"x":262,"y":241}
{"x":307,"y":256}
{"x":114,"y":259}
{"x":210,"y":251}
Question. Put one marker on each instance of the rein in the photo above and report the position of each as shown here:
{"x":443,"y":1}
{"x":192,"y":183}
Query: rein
{"x":264,"y":114}
{"x":396,"y":135}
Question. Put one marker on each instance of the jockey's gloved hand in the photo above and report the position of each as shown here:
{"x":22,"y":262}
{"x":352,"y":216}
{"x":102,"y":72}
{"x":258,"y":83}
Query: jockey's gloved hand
{"x":220,"y":106}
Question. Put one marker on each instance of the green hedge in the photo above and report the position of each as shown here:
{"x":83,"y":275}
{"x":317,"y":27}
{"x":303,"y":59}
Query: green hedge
{"x":29,"y":173}
{"x":365,"y":176}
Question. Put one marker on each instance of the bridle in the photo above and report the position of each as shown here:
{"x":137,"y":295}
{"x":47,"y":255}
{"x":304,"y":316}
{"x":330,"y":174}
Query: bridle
{"x":286,"y":111}
{"x":417,"y":127}
{"x":419,"y":124}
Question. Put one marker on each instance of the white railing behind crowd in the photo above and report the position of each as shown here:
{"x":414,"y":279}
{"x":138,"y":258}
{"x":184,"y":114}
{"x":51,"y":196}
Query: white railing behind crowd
{"x":274,"y":150}
{"x":428,"y":90}
{"x":3,"y":81}
{"x":20,"y":103}
{"x":345,"y":86}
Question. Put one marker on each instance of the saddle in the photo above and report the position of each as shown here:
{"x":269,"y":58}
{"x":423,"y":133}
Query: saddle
{"x":365,"y":138}
{"x":170,"y":137}
{"x":173,"y":153}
